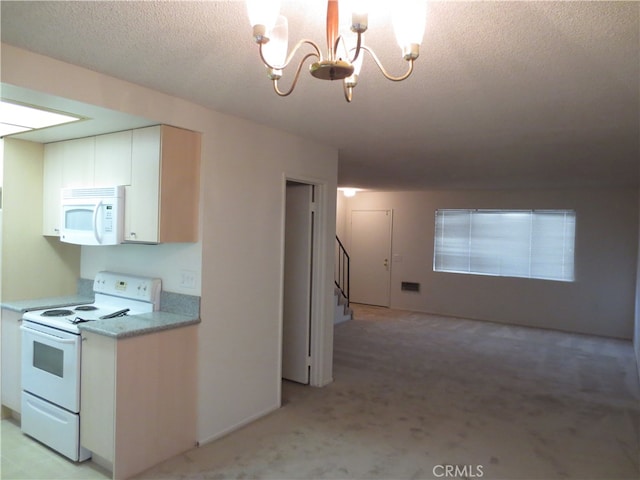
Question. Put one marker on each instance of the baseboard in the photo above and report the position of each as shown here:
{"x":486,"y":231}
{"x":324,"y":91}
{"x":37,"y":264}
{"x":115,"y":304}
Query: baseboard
{"x":102,"y":462}
{"x":9,"y":413}
{"x":237,"y":426}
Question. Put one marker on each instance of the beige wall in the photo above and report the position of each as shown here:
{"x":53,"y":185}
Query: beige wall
{"x":600,"y":301}
{"x":240,"y":255}
{"x":33,"y":266}
{"x":341,"y":216}
{"x":636,"y":335}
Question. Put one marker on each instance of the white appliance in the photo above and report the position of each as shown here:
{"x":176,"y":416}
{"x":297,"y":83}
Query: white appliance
{"x":52,"y":353}
{"x":92,"y":215}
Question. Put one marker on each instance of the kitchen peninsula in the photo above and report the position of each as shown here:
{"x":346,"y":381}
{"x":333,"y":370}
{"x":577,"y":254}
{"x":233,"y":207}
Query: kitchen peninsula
{"x":138,"y":390}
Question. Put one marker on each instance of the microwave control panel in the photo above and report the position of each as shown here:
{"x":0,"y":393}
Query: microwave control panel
{"x":107,"y":218}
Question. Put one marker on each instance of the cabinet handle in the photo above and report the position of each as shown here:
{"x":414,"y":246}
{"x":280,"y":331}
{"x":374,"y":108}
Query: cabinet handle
{"x":132,"y":234}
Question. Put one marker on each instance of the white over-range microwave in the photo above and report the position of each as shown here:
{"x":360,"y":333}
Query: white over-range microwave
{"x":92,"y":215}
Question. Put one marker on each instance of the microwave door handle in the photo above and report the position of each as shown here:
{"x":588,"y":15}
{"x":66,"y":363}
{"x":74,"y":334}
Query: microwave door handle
{"x":95,"y":222}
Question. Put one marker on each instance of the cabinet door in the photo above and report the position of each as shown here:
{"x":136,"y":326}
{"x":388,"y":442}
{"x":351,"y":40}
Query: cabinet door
{"x":51,"y":184}
{"x":11,"y":359}
{"x":97,"y":393}
{"x":78,"y":164}
{"x":113,"y":159}
{"x":142,"y":196}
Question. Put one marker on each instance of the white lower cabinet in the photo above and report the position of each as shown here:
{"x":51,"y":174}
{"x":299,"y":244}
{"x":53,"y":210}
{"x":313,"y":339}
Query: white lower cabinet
{"x":11,"y":360}
{"x":97,"y":394}
{"x":138,"y":398}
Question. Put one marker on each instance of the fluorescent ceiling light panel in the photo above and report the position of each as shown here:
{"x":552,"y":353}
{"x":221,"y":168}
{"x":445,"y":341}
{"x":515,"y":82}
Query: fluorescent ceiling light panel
{"x":6,"y":129}
{"x":19,"y":118}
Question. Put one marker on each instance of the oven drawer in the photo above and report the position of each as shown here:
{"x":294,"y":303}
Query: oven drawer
{"x":53,"y":426}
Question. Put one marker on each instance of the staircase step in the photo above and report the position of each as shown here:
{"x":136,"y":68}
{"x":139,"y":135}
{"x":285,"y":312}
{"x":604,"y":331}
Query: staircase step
{"x":342,"y":312}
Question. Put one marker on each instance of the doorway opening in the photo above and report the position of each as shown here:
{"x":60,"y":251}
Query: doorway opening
{"x":298,"y":284}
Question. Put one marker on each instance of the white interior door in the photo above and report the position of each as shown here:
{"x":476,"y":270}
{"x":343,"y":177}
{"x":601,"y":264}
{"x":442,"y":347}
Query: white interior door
{"x":371,"y":256}
{"x":297,"y":282}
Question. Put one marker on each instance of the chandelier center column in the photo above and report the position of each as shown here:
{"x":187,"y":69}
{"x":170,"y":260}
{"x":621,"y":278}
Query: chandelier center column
{"x":332,"y":28}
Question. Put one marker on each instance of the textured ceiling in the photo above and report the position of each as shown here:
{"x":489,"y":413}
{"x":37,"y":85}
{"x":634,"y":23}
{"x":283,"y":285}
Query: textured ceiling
{"x":504,"y":94}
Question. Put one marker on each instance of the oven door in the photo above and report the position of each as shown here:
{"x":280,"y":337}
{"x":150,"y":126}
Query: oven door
{"x":51,"y":365}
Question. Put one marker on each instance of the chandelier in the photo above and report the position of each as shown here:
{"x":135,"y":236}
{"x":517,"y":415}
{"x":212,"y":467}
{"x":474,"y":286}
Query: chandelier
{"x":344,"y":54}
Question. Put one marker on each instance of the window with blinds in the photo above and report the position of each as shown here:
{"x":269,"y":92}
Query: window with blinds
{"x":508,"y":243}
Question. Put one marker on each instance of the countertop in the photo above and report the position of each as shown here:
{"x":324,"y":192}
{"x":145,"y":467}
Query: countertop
{"x":23,"y":306}
{"x":119,"y":327}
{"x":134,"y":325}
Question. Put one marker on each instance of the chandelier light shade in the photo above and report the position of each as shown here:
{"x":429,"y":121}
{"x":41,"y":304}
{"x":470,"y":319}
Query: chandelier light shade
{"x":262,"y":16}
{"x":343,"y":56}
{"x":409,"y":21}
{"x":275,"y":51}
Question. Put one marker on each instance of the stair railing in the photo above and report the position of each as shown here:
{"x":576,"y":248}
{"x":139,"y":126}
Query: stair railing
{"x":341,"y":274}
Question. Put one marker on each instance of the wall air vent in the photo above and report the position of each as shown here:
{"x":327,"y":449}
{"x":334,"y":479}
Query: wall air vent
{"x":410,"y":287}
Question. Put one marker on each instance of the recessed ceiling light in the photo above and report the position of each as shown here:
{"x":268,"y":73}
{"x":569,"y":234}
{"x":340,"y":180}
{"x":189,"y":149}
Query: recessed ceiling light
{"x":349,"y":192}
{"x":16,"y":118}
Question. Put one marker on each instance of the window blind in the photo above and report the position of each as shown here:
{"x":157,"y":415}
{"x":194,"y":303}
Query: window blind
{"x":511,"y":243}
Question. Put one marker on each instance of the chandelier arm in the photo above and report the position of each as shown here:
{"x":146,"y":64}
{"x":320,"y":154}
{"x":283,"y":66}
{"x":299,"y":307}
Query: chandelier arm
{"x":335,"y":45}
{"x":293,"y":52}
{"x":384,"y":71}
{"x":356,"y":49}
{"x":295,"y":78}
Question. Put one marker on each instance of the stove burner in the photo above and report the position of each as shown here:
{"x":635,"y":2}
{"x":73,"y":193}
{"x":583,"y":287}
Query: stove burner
{"x":56,"y":313}
{"x":85,"y":308}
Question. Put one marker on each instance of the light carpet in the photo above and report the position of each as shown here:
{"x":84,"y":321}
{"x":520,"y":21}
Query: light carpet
{"x":418,"y":396}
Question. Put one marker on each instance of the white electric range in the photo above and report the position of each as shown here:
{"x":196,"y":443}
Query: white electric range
{"x":51,"y":357}
{"x":116,"y":295}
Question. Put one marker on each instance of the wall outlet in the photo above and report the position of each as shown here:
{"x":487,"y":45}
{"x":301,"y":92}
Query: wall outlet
{"x":188,"y":279}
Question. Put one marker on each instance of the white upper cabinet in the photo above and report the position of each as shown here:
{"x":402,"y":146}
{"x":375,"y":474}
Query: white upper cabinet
{"x":160,"y":166}
{"x":66,"y":164}
{"x":54,"y":157}
{"x":78,"y":162}
{"x":112,"y":164}
{"x":161,"y":204}
{"x":142,"y":197}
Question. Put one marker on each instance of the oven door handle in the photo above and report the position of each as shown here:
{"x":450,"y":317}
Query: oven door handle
{"x":47,"y":336}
